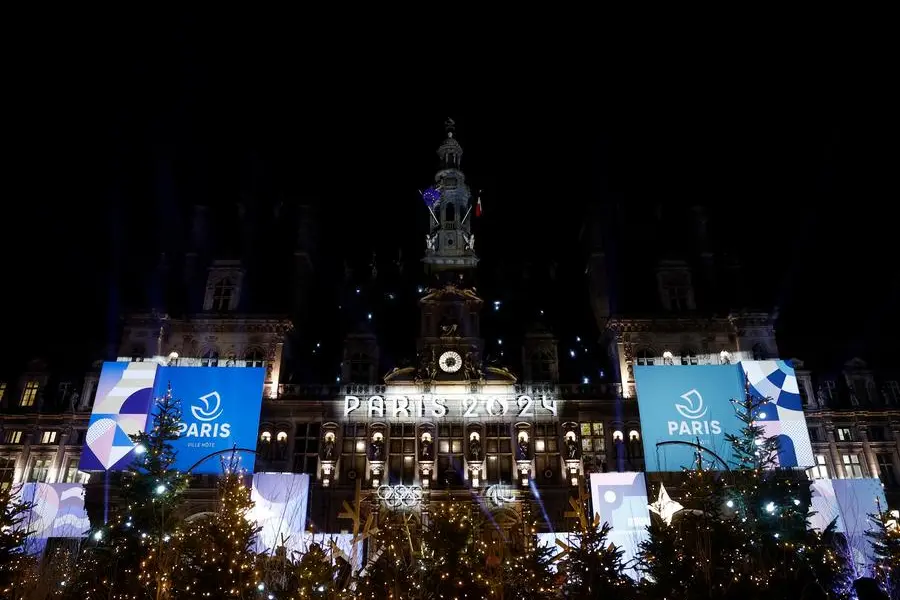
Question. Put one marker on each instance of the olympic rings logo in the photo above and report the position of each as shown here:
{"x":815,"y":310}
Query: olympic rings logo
{"x":400,"y":496}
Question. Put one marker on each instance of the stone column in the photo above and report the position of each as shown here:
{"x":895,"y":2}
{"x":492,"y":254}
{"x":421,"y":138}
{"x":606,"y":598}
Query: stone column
{"x":58,"y":462}
{"x":868,"y":454}
{"x":837,"y":465}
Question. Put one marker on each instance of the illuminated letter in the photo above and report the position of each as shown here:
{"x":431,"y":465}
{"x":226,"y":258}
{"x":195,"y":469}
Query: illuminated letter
{"x":470,"y":403}
{"x":548,"y":404}
{"x":524,"y":403}
{"x":225,"y":430}
{"x":440,"y":409}
{"x":398,"y":408}
{"x":504,"y":405}
{"x":714,"y":426}
{"x":420,"y":406}
{"x":673,"y":427}
{"x":351,"y":403}
{"x":376,"y":406}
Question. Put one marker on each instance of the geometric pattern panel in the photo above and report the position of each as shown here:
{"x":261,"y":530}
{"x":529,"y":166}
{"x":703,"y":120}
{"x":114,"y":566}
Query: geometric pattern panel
{"x":120,"y":410}
{"x":57,"y":510}
{"x":280,"y":503}
{"x":621,"y":500}
{"x":782,"y":415}
{"x":857,"y":499}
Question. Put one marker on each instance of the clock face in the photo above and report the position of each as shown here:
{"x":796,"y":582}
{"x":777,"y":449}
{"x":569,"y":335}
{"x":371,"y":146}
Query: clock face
{"x":450,"y":362}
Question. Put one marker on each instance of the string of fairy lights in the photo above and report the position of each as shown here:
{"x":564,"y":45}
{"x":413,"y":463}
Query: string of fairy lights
{"x":734,"y":533}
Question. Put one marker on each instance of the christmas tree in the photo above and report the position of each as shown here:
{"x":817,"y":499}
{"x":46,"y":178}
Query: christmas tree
{"x":453,"y":564}
{"x":314,"y":575}
{"x":593,"y":565}
{"x":742,"y":532}
{"x":885,"y":540}
{"x":132,"y":557}
{"x":526,"y":574}
{"x":15,"y":565}
{"x":216,"y":556}
{"x":392,"y":571}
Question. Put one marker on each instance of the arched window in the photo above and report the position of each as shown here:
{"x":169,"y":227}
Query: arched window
{"x":450,"y":212}
{"x":645,"y":358}
{"x":688,"y":357}
{"x":759,"y":353}
{"x":210,"y":359}
{"x":255,"y":358}
{"x":222,"y":294}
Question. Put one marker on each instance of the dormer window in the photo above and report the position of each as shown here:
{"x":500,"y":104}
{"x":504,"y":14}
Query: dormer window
{"x":688,"y":357}
{"x":29,"y":394}
{"x":675,"y":289}
{"x":210,"y":359}
{"x":255,"y":358}
{"x":222,"y":295}
{"x":645,"y":358}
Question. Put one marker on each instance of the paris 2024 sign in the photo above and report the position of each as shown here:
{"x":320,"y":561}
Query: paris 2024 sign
{"x":693,"y":403}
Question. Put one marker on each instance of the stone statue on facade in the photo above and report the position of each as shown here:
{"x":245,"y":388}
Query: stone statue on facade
{"x":523,"y":447}
{"x":471,"y":365}
{"x":474,"y":447}
{"x":376,"y":448}
{"x":426,"y":447}
{"x":430,"y":241}
{"x":571,"y":446}
{"x":328,"y":446}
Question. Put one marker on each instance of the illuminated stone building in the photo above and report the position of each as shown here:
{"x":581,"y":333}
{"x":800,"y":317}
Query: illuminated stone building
{"x":452,"y":423}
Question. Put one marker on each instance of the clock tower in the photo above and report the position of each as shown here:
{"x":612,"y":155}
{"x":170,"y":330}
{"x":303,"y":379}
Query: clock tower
{"x":450,"y":345}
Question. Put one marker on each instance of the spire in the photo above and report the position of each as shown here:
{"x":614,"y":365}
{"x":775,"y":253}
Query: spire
{"x":450,"y":243}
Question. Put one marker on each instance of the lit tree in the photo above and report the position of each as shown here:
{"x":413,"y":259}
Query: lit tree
{"x":393,"y":572}
{"x":885,"y":540}
{"x":743,"y":532}
{"x":15,"y":565}
{"x":453,"y":562}
{"x":593,"y":565}
{"x":217,"y":559}
{"x":132,"y":557}
{"x":314,"y":574}
{"x":526,"y":574}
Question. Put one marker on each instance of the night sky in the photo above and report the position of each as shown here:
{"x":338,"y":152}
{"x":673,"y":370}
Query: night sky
{"x":118,"y":134}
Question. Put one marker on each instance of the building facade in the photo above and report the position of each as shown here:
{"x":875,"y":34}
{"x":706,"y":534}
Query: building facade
{"x":453,"y":424}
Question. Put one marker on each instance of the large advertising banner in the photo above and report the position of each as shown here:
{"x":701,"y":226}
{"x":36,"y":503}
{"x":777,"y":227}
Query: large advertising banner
{"x":280,"y":502}
{"x":848,"y":502}
{"x":686,"y":404}
{"x":693,"y":403}
{"x":57,"y":511}
{"x":219,"y":410}
{"x":621,"y":500}
{"x":124,"y":394}
{"x":782,"y":416}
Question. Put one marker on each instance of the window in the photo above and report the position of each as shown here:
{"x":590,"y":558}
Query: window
{"x":891,"y":392}
{"x":814,"y":434}
{"x":359,"y":368}
{"x":306,"y":448}
{"x":498,"y":452}
{"x":844,"y":434}
{"x":645,"y":358}
{"x":820,"y":471}
{"x":830,"y":390}
{"x":402,"y":459}
{"x":76,"y":438}
{"x":804,"y":395}
{"x":450,"y":453}
{"x":886,"y":469}
{"x":2,"y":390}
{"x":353,"y":453}
{"x":222,"y":295}
{"x":688,"y":357}
{"x":255,"y":358}
{"x":679,"y":297}
{"x":852,"y":467}
{"x":876,"y":433}
{"x":48,"y":437}
{"x":70,"y":473}
{"x":7,"y":471}
{"x":29,"y":394}
{"x":593,"y":447}
{"x":210,"y":359}
{"x":40,"y":468}
{"x":546,"y":452}
{"x":12,"y":436}
{"x":759,"y":352}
